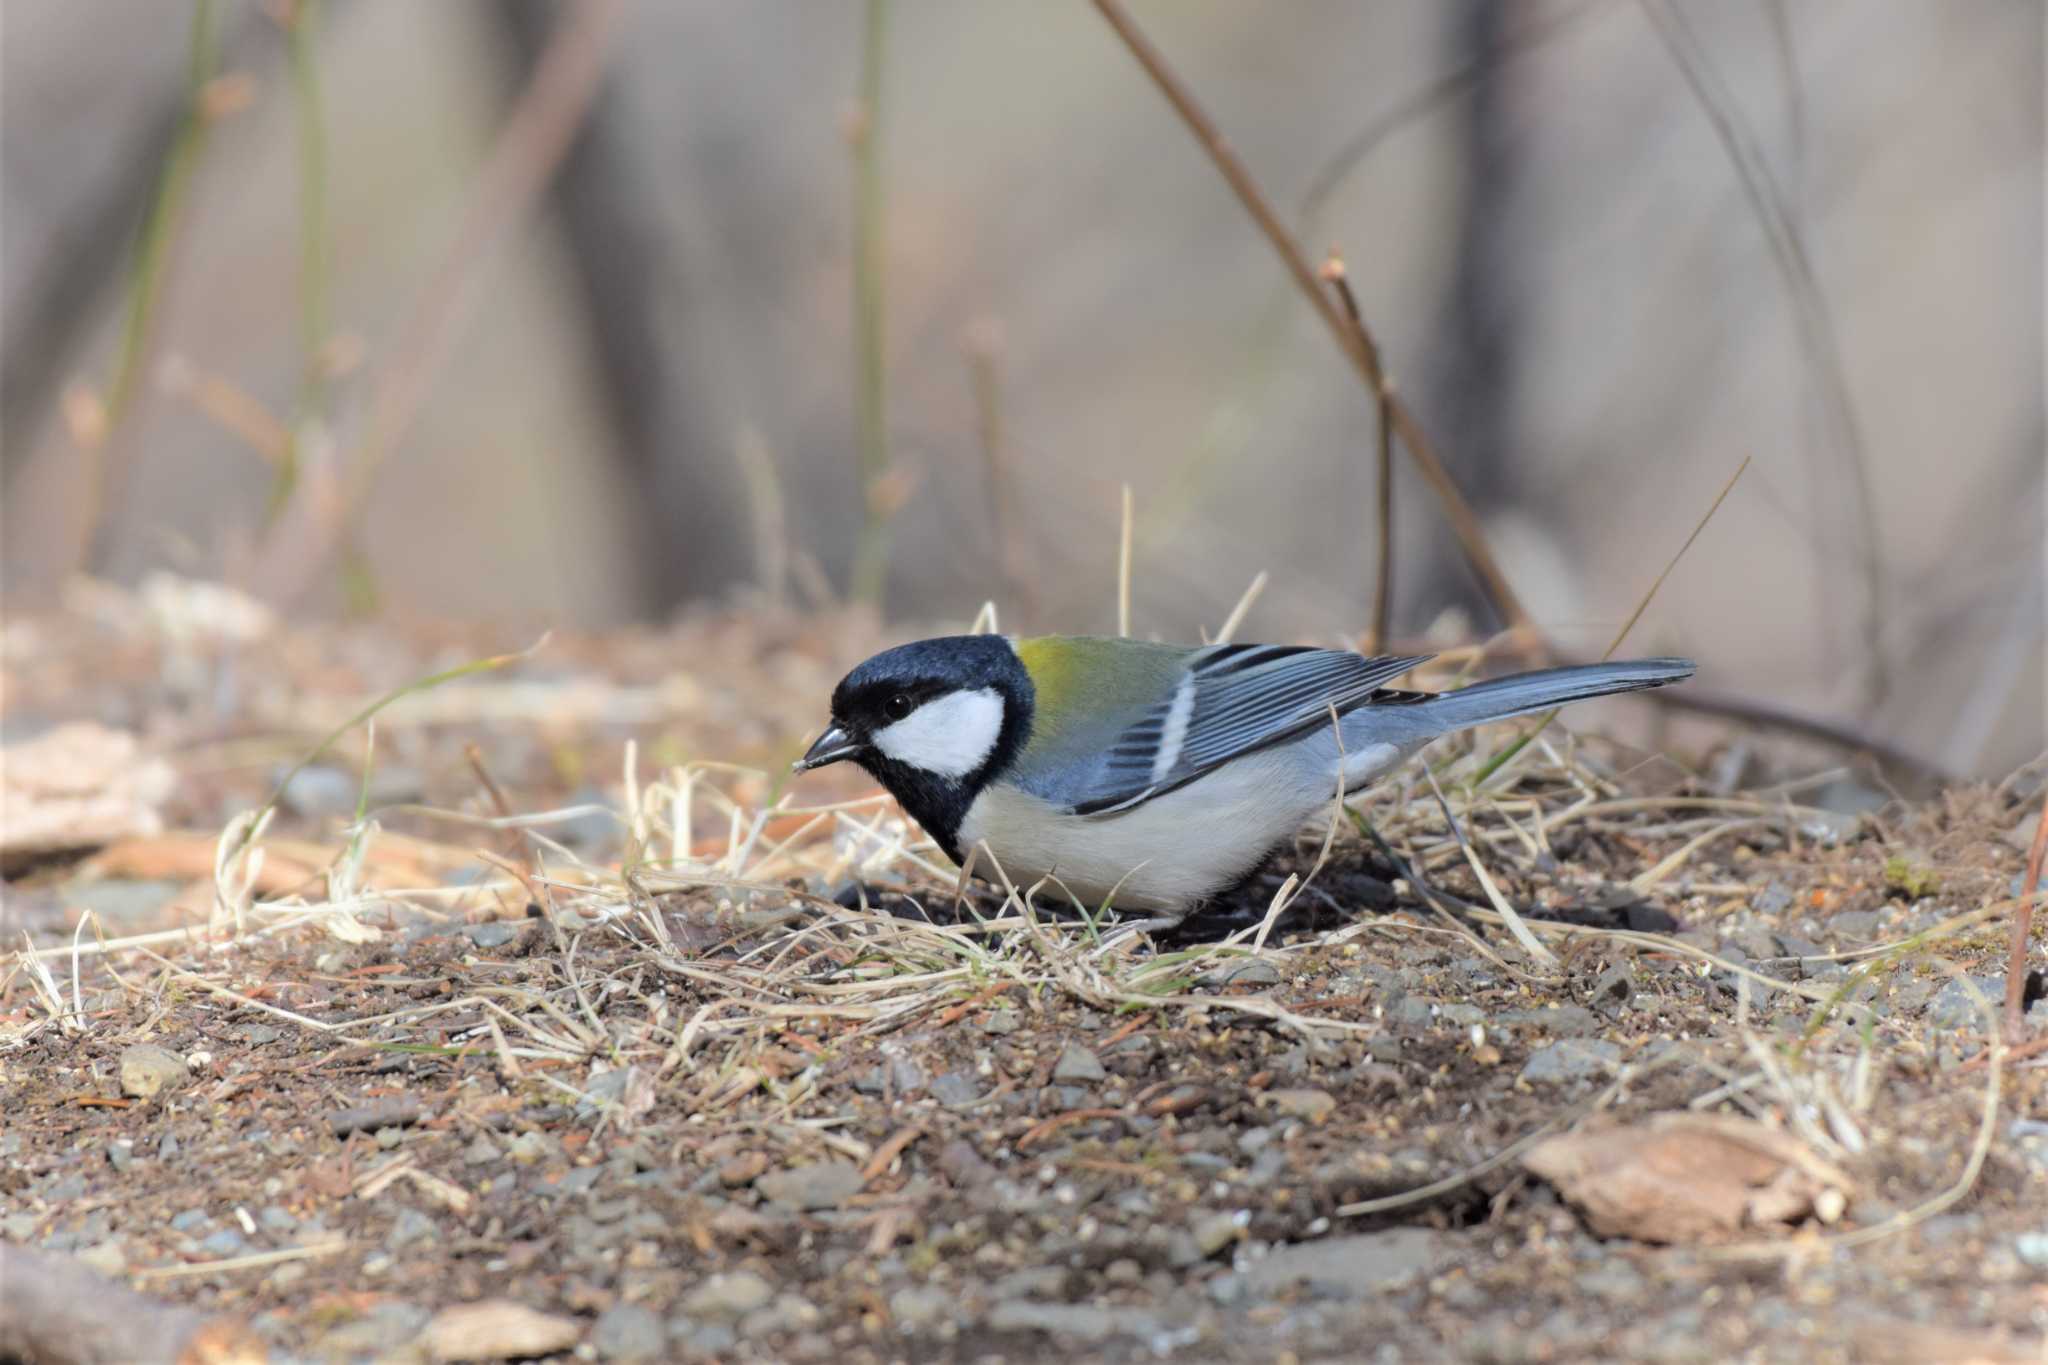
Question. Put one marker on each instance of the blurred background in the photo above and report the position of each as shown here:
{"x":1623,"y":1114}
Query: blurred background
{"x":588,"y":313}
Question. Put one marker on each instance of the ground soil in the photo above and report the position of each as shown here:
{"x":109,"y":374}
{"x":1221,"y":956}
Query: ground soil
{"x":692,"y":1121}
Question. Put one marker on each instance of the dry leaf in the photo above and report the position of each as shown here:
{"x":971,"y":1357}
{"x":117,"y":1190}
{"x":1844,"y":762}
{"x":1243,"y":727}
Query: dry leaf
{"x":1687,"y":1177}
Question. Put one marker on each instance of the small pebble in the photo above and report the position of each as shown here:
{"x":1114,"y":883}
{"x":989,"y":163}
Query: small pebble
{"x":224,"y":1243}
{"x":728,"y":1296}
{"x":629,"y":1331}
{"x":816,"y":1185}
{"x":1242,"y":971}
{"x":147,"y":1069}
{"x":1077,"y":1065}
{"x":1311,"y":1105}
{"x":1571,"y":1059}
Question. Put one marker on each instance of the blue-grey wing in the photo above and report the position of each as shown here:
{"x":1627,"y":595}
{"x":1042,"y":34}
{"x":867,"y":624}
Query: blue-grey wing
{"x":1233,"y":700}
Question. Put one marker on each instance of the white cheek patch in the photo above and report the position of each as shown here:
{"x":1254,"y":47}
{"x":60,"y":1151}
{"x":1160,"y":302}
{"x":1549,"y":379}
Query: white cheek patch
{"x":950,"y":735}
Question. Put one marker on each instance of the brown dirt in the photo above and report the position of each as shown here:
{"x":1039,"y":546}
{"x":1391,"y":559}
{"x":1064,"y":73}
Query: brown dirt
{"x":707,"y":1111}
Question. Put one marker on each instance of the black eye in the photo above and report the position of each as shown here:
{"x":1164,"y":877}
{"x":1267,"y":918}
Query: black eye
{"x":897,"y":707}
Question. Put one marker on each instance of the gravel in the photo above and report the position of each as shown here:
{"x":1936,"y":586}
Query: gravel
{"x":1364,"y":1264}
{"x":1953,"y":1006}
{"x":1081,"y":1322}
{"x":728,"y":1296}
{"x":1571,"y":1060}
{"x":628,"y":1331}
{"x":818,"y":1185}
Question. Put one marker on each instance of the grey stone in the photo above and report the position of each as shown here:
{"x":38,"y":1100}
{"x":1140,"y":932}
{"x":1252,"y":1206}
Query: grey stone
{"x":191,"y":1220}
{"x":1364,"y":1264}
{"x":1954,"y":1007}
{"x":1571,"y":1059}
{"x":816,"y":1185}
{"x":167,"y":1148}
{"x":276,"y":1219}
{"x":1214,"y":1231}
{"x":921,"y":1309}
{"x":19,"y":1227}
{"x":1001,"y":1021}
{"x":628,"y":1331}
{"x":1856,"y":925}
{"x":377,"y":1334}
{"x":121,"y":1155}
{"x":579,"y":1181}
{"x":257,"y":1035}
{"x":1774,"y":897}
{"x":2032,"y":1248}
{"x":147,"y":1069}
{"x":527,"y":1148}
{"x":64,"y":1189}
{"x":714,"y":1340}
{"x":224,"y":1243}
{"x":728,"y":1296}
{"x":495,"y":933}
{"x":1613,"y":1279}
{"x":1241,"y":971}
{"x":388,"y":1139}
{"x":602,"y":1090}
{"x":1228,"y":1288}
{"x":788,"y":1313}
{"x":480,"y":1150}
{"x":1078,"y":1066}
{"x":905,"y":1076}
{"x":1310,"y":1105}
{"x":410,"y":1226}
{"x":1083,"y":1322}
{"x":1459,"y":1013}
{"x":957,"y":1088}
{"x":1411,"y":1011}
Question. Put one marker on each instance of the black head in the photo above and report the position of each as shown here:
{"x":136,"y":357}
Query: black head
{"x":934,"y":721}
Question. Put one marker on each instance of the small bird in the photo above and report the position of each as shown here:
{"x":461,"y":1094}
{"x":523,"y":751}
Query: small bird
{"x":1151,"y":776}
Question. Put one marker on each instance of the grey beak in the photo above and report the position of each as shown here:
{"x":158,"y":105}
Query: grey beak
{"x":830,"y":747}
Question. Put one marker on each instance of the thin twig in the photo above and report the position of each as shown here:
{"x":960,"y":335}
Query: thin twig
{"x":1243,"y":608}
{"x":1333,"y":271}
{"x":1464,"y":522}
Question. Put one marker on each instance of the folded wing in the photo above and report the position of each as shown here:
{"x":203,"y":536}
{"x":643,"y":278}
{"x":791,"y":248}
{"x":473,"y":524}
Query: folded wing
{"x":1232,"y":700}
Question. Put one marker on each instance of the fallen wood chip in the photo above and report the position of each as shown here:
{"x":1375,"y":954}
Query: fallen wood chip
{"x":497,"y":1329}
{"x":397,"y":1111}
{"x":53,"y":1311}
{"x":1688,"y":1177}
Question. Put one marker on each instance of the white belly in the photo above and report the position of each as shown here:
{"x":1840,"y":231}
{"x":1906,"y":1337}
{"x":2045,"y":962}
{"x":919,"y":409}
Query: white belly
{"x":1176,"y":849}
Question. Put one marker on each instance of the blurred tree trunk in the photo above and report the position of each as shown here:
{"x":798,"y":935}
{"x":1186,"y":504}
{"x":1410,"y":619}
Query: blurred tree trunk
{"x":1468,"y":382}
{"x":689,"y":517}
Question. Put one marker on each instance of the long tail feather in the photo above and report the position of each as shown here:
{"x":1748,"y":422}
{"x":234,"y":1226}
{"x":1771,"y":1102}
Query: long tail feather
{"x":1525,"y":693}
